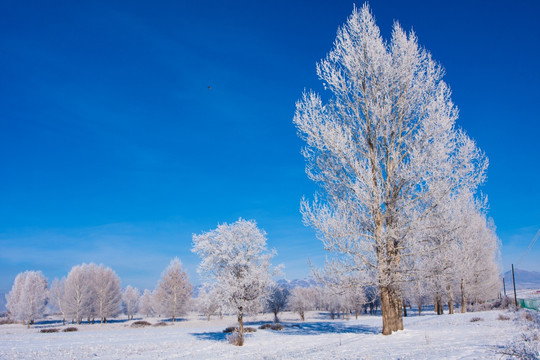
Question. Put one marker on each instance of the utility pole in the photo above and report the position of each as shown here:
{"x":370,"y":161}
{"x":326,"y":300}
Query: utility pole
{"x":514,"y":281}
{"x":504,"y":286}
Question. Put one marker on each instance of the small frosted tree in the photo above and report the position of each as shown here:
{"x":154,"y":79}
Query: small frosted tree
{"x":146,"y":303}
{"x":57,"y":297}
{"x":28,"y":297}
{"x":277,"y":300}
{"x":130,"y":300}
{"x":208,"y":302}
{"x":173,"y":290}
{"x":302,"y":300}
{"x":236,"y":262}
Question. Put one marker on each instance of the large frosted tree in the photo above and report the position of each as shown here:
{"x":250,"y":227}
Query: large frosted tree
{"x":79,"y":297}
{"x":385,"y":150}
{"x":236,"y":263}
{"x":106,"y":292}
{"x":28,"y":297}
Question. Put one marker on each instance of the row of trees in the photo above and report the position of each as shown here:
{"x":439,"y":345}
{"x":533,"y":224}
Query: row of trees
{"x":93,"y":292}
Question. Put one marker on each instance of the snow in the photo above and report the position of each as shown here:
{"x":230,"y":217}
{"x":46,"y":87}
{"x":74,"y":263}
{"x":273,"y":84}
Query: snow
{"x":426,"y":337}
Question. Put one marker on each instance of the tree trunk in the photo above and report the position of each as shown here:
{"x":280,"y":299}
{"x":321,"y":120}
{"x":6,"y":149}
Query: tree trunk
{"x":391,"y":310}
{"x":404,"y":310}
{"x":302,"y":315}
{"x":173,"y":319}
{"x":240,"y":328}
{"x":419,"y":310}
{"x":463,"y":307}
{"x":276,"y":320}
{"x":451,"y":306}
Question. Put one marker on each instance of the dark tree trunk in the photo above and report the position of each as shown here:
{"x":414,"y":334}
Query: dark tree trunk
{"x":391,"y":310}
{"x":240,"y":328}
{"x":463,"y":306}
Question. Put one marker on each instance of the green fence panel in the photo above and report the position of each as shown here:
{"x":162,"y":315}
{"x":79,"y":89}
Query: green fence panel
{"x":533,"y":304}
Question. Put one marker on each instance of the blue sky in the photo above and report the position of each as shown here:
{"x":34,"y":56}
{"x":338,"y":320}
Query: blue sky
{"x":126,"y":127}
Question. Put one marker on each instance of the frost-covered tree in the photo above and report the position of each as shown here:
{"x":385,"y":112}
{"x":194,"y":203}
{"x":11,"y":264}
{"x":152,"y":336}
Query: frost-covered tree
{"x":130,"y":301}
{"x":146,"y":303}
{"x":302,"y":300}
{"x":106,"y":292}
{"x":79,"y":296}
{"x":384,"y":142}
{"x":236,"y":262}
{"x":208,"y":302}
{"x":57,"y":297}
{"x":28,"y":297}
{"x":173,"y":290}
{"x":477,"y":269}
{"x":355,"y":299}
{"x":277,"y":300}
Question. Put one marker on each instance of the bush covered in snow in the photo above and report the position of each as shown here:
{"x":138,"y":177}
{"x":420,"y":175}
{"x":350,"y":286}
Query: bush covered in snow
{"x":527,"y":344}
{"x":49,"y":330}
{"x":140,"y":323}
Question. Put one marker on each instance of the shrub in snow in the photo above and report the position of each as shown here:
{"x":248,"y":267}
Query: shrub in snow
{"x":236,"y":339}
{"x":161,"y":323}
{"x":276,"y":327}
{"x":526,"y":346}
{"x":232,"y":329}
{"x":6,"y":321}
{"x":265,"y":326}
{"x":528,"y":316}
{"x":48,"y":330}
{"x":70,"y":329}
{"x":503,"y":317}
{"x":140,"y":323}
{"x":475,"y":319}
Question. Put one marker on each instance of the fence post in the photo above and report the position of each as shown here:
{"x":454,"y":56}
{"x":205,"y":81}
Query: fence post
{"x":514,"y":282}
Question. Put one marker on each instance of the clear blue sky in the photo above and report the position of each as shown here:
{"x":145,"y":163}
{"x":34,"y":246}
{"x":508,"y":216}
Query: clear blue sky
{"x":113,"y":148}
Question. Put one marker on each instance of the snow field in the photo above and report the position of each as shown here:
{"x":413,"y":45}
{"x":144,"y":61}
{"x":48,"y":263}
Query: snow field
{"x":425,"y":337}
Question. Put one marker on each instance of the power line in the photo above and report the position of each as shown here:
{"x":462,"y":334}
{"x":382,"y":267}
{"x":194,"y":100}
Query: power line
{"x":529,"y":247}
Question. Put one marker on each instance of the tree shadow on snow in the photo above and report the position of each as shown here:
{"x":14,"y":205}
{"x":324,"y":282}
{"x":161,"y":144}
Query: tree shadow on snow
{"x":169,"y":320}
{"x":214,"y":336}
{"x":318,"y":328}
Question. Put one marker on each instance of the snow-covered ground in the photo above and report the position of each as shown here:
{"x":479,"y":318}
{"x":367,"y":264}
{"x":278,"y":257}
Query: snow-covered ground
{"x":425,"y":337}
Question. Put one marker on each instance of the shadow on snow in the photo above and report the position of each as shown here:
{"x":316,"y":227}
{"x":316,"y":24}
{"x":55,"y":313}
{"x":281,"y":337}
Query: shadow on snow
{"x":310,"y":328}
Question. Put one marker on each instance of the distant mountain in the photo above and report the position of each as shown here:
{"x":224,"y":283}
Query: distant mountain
{"x":524,"y":279}
{"x":291,"y":284}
